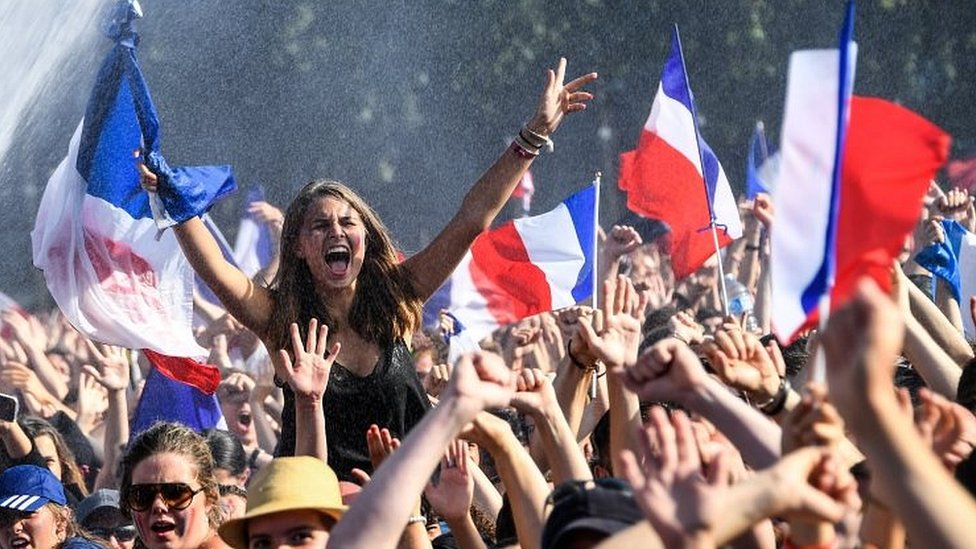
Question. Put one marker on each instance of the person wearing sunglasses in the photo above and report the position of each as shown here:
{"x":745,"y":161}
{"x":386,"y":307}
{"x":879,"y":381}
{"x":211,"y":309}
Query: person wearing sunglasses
{"x":169,"y":489}
{"x":34,"y":512}
{"x":102,"y":517}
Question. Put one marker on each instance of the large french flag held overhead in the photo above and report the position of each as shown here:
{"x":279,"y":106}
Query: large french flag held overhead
{"x":526,"y":266}
{"x":853,"y":174}
{"x":674,"y":176}
{"x":114,"y":278}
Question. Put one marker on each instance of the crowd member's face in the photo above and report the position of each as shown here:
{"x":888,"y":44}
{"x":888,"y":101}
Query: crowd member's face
{"x":423,"y":362}
{"x":108,"y":524}
{"x":332,"y":243}
{"x":232,"y":503}
{"x":712,"y":324}
{"x":41,"y":529}
{"x":163,"y":525}
{"x":45,"y":446}
{"x":299,"y":528}
{"x":237,"y":412}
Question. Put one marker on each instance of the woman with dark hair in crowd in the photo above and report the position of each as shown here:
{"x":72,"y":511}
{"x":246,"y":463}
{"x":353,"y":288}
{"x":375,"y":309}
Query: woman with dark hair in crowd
{"x":339,"y":266}
{"x":32,"y":440}
{"x":169,"y":489}
{"x":231,"y":471}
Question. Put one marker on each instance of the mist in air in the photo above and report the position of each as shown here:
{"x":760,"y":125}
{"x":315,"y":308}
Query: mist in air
{"x":408,"y":102}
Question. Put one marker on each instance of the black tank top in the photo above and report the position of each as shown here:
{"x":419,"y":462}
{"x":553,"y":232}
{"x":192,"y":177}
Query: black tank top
{"x":392,"y":396}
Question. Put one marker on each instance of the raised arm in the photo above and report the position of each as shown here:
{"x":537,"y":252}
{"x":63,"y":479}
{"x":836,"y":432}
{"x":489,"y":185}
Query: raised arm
{"x":243,"y":298}
{"x":862,"y":341}
{"x":432,"y":265}
{"x":111,"y":371}
{"x":479,"y":382}
{"x":308,"y":377}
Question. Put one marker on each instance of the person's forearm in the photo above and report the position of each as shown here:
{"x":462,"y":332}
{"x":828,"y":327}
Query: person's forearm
{"x":267,"y":439}
{"x":571,"y":386}
{"x":625,"y":420}
{"x":881,"y":530}
{"x":237,"y":293}
{"x":309,"y":428}
{"x":391,"y":494}
{"x":594,"y":410}
{"x":757,"y":438}
{"x":15,"y":440}
{"x":764,"y":301}
{"x":947,"y":303}
{"x":938,"y":326}
{"x":564,"y":456}
{"x":486,"y":497}
{"x":465,"y":533}
{"x":414,"y":537}
{"x":932,"y":505}
{"x":116,"y":435}
{"x":525,"y":486}
{"x":760,"y":536}
{"x":49,"y":376}
{"x":937,"y":368}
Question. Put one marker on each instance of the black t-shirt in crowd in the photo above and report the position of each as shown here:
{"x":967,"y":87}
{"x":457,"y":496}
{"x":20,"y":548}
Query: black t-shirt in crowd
{"x":391,"y":397}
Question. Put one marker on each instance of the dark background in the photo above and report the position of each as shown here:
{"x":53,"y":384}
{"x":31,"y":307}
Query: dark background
{"x":409,"y":101}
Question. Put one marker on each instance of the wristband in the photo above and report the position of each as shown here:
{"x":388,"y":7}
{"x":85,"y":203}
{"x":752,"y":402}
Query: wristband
{"x":417,"y":519}
{"x":522,"y":151}
{"x":579,"y":365}
{"x":776,"y":405}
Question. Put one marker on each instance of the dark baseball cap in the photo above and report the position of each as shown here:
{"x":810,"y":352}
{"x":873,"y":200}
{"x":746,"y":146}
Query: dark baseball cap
{"x":99,"y":499}
{"x":605,"y":506}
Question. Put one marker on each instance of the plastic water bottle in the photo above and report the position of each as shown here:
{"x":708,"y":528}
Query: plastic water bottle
{"x":741,"y":303}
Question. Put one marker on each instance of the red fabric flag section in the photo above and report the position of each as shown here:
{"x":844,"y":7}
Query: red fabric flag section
{"x":662,"y":184}
{"x":891,"y":155}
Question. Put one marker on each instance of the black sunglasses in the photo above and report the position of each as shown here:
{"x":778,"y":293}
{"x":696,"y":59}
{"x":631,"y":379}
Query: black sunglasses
{"x":121,"y":533}
{"x":176,"y":495}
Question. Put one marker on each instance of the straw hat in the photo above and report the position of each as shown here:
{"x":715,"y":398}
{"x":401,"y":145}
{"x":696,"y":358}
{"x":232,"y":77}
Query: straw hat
{"x":286,"y":484}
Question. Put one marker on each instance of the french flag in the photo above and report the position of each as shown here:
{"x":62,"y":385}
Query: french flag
{"x":955,"y":262}
{"x":253,"y":246}
{"x":853,"y":174}
{"x":674,"y":176}
{"x":755,"y":163}
{"x":526,"y":266}
{"x":114,"y":278}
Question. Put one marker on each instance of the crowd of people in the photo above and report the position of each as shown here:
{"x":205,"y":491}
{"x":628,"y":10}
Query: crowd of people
{"x":652,"y":420}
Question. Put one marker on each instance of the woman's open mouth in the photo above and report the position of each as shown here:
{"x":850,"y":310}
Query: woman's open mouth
{"x":337,"y":258}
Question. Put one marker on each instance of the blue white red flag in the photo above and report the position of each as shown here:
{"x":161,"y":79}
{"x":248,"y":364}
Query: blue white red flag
{"x":758,"y":156}
{"x":253,"y":245}
{"x":955,"y":262}
{"x":94,"y":236}
{"x":526,"y":266}
{"x":853,"y":174}
{"x":674,"y":176}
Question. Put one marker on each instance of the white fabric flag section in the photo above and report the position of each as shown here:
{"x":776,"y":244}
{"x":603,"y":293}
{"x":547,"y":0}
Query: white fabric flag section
{"x":106,"y":271}
{"x":803,"y":191}
{"x":967,"y":281}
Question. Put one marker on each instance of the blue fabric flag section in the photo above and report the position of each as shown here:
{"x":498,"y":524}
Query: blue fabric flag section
{"x":942,"y":258}
{"x":758,"y":154}
{"x":164,"y":399}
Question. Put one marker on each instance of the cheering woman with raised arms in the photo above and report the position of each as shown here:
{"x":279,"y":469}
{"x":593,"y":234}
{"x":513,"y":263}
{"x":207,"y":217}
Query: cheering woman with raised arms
{"x":339,"y":267}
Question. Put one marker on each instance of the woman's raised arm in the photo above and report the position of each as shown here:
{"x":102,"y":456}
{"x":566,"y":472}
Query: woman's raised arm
{"x":430,"y":267}
{"x":244,"y":299}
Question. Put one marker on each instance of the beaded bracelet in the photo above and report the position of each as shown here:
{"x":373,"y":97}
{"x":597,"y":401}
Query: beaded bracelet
{"x":522,"y":152}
